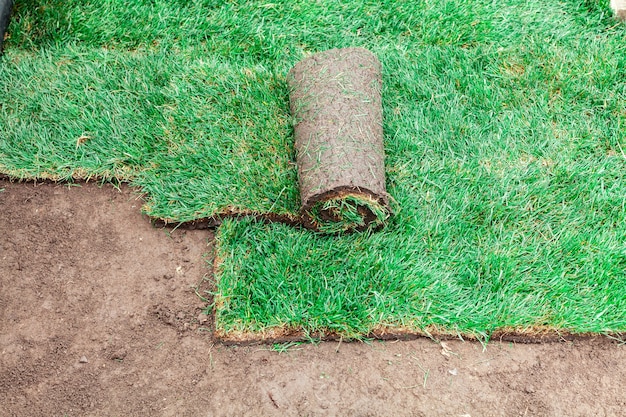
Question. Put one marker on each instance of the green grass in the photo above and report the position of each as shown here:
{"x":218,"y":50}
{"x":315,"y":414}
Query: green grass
{"x":505,"y":136}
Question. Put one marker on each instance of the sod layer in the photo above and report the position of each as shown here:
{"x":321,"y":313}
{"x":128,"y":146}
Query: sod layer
{"x":503,"y":130}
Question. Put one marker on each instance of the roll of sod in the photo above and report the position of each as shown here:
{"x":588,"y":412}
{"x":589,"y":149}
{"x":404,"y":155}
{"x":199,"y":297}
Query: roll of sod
{"x":335,"y":97}
{"x":5,"y":14}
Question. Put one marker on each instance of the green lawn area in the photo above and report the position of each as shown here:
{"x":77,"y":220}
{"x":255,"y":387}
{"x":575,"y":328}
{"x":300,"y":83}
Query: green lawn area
{"x":505,"y":141}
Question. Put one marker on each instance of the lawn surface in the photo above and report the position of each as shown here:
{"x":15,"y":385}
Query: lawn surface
{"x":505,"y":136}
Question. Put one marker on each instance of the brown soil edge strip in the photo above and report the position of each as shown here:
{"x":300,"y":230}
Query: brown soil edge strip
{"x":56,"y":180}
{"x":215,"y":221}
{"x":532,"y":335}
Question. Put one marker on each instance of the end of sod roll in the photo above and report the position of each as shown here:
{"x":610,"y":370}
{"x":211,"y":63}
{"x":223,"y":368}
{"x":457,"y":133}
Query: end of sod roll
{"x":347,"y":211}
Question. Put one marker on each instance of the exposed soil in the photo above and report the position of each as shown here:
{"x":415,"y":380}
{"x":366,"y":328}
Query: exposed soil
{"x":99,"y":316}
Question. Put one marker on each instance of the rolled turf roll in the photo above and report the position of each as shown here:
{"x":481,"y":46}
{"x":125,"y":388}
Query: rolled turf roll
{"x":335,"y":97}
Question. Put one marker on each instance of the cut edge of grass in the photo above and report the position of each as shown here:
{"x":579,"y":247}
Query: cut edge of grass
{"x":526,"y":335}
{"x":72,"y":175}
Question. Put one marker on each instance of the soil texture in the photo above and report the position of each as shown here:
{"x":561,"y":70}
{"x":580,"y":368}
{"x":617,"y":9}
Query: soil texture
{"x":101,"y":315}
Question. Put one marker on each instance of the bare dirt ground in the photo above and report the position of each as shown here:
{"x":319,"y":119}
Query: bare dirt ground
{"x":99,"y":316}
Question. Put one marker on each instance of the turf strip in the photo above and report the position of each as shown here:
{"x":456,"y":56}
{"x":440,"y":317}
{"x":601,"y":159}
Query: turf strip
{"x":504,"y":138}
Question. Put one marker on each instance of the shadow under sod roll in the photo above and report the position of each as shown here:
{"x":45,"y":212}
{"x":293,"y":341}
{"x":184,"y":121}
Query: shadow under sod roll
{"x":335,"y":97}
{"x":5,"y":15}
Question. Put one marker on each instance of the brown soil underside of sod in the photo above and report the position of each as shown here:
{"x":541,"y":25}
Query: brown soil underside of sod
{"x":335,"y":98}
{"x":99,"y":316}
